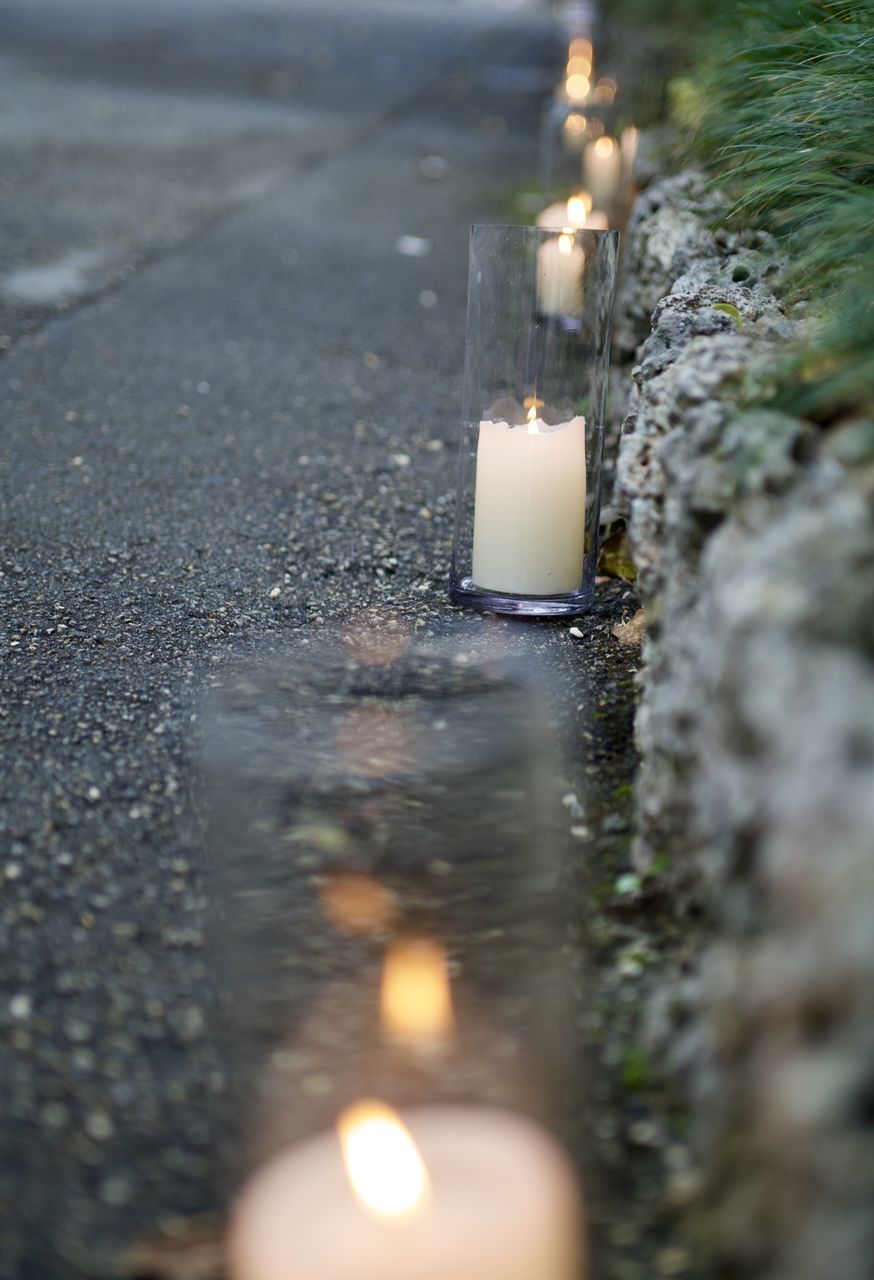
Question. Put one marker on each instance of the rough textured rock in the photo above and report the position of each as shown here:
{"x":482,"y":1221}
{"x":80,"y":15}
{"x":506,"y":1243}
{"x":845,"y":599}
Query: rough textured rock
{"x":754,"y":539}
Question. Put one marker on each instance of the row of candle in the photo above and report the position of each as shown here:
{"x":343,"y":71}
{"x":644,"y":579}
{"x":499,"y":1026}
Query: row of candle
{"x":531,"y":483}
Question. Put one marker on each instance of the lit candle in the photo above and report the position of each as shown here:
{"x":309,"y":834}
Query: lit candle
{"x":451,"y":1193}
{"x":577,"y":86}
{"x":575,"y":129}
{"x":570,"y":213}
{"x":560,"y":263}
{"x":530,"y":507}
{"x":602,"y":169}
{"x":597,"y":220}
{"x":628,"y":144}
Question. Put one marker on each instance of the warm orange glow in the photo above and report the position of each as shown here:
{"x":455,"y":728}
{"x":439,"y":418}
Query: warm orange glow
{"x":605,"y":147}
{"x":578,"y":208}
{"x":579,"y":65}
{"x":356,"y":903}
{"x":415,"y":999}
{"x":385,"y":1169}
{"x":605,"y":90}
{"x":629,"y":144}
{"x":376,"y":637}
{"x":580,"y":47}
{"x":566,"y":241}
{"x":576,"y":124}
{"x":577,"y":87}
{"x":375,"y":741}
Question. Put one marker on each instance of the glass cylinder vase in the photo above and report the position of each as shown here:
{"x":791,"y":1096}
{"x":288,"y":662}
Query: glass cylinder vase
{"x":540,"y":305}
{"x":385,"y":914}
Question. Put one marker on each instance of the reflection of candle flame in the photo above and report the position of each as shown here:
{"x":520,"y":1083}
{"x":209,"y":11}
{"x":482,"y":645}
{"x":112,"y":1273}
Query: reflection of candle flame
{"x":386,"y":1171}
{"x":566,"y":241}
{"x":377,"y":637}
{"x":375,"y":741}
{"x":576,"y":124}
{"x":415,"y":998}
{"x":604,"y":147}
{"x":356,"y":903}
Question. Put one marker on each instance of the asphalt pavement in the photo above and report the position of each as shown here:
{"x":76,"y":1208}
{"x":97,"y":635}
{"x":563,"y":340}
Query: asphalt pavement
{"x":233,"y":263}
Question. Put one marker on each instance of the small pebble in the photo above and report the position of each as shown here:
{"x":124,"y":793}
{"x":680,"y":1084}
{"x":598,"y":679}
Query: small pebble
{"x":413,"y":246}
{"x":99,"y":1126}
{"x":672,"y":1262}
{"x":21,"y":1007}
{"x":116,"y":1190}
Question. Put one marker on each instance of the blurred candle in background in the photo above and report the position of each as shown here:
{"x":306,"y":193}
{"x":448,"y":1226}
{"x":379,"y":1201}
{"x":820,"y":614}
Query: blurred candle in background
{"x":571,"y":213}
{"x":628,"y":145}
{"x":602,"y":169}
{"x":575,"y":130}
{"x":560,"y":264}
{"x":597,"y":220}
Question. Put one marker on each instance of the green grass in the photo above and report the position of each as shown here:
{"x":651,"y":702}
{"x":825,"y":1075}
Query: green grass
{"x":778,"y":101}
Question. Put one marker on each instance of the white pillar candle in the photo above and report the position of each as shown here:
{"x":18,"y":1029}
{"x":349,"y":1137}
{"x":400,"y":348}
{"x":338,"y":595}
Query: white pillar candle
{"x":602,"y":169}
{"x":560,"y":263}
{"x":628,"y":144}
{"x":597,"y":220}
{"x":481,"y":1195}
{"x":530,"y":507}
{"x":574,"y":131}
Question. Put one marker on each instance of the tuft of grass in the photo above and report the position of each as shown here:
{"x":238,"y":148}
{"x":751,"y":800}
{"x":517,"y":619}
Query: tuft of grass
{"x":778,"y":96}
{"x":635,"y":1068}
{"x":787,"y":91}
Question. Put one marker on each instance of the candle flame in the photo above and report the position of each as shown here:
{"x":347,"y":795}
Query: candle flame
{"x":356,"y":903}
{"x":579,"y":207}
{"x":576,"y":124}
{"x":415,"y":998}
{"x":579,"y":64}
{"x":604,"y":147}
{"x":605,"y":91}
{"x":580,"y":47}
{"x":577,"y":86}
{"x":387,"y":1173}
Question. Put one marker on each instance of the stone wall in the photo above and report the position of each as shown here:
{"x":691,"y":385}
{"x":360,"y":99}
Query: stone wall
{"x":753,"y":534}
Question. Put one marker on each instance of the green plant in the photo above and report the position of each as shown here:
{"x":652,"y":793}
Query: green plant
{"x":785,"y":101}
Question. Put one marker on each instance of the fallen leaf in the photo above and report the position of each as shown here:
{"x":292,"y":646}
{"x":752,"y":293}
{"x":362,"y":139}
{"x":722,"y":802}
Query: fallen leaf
{"x":728,"y":309}
{"x":632,"y":631}
{"x":615,"y":556}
